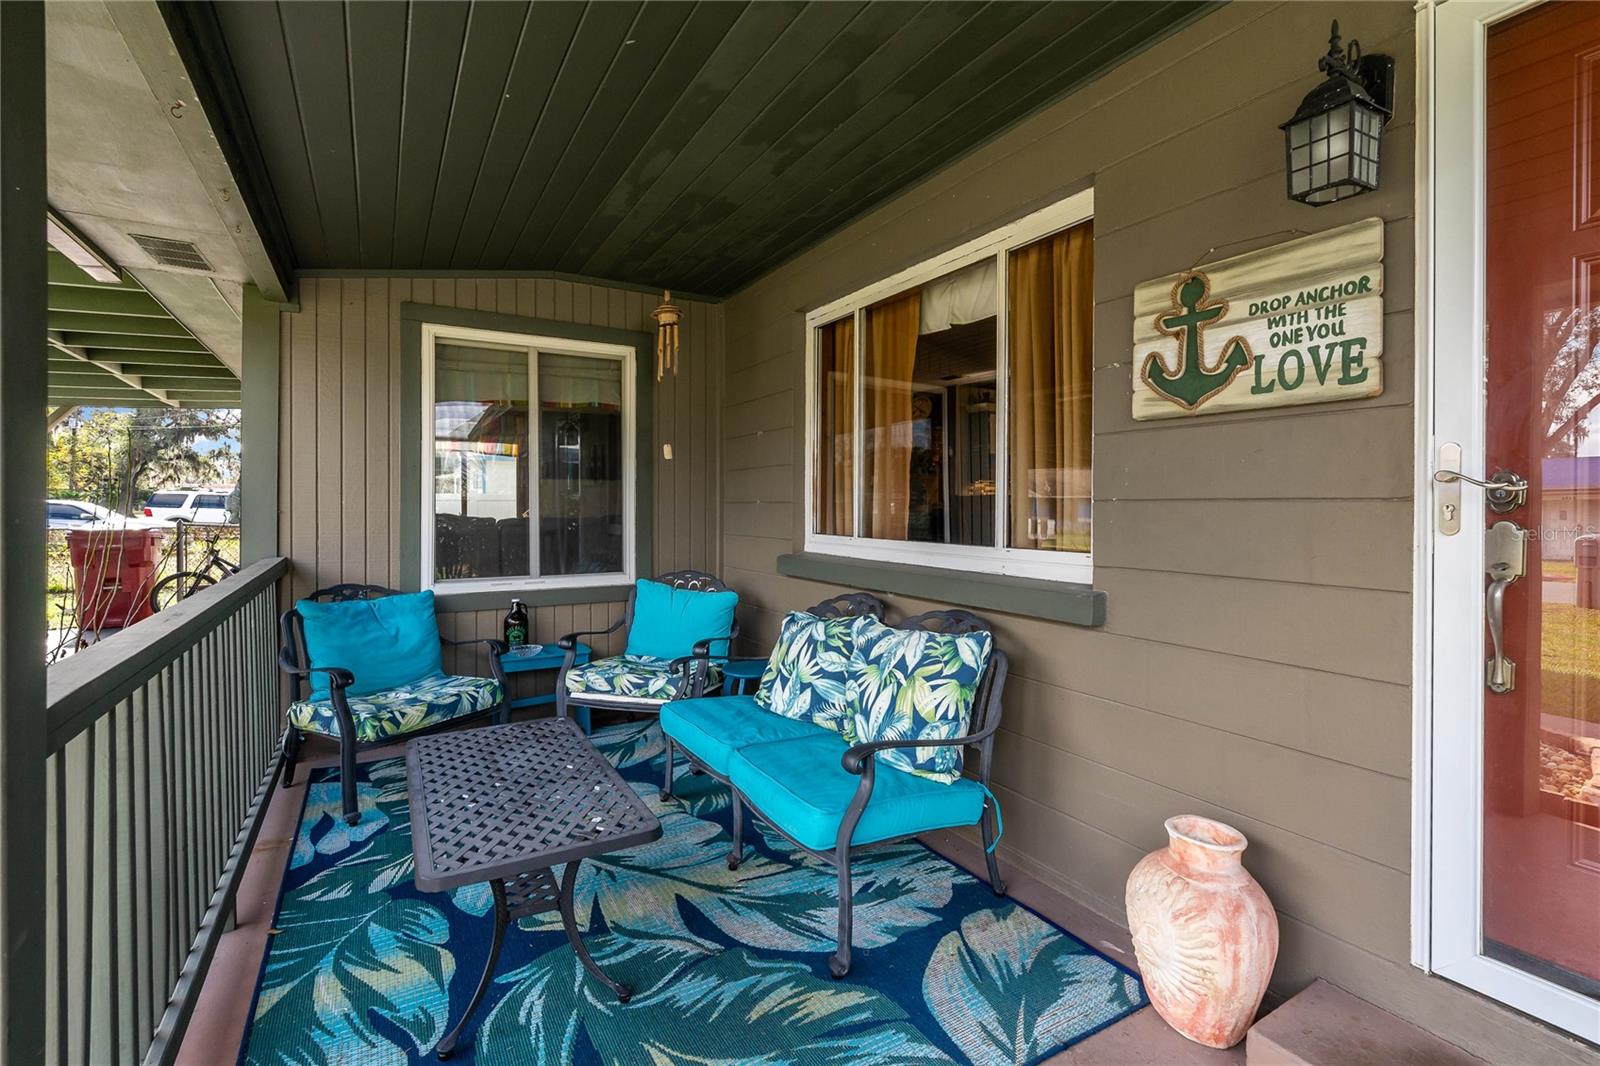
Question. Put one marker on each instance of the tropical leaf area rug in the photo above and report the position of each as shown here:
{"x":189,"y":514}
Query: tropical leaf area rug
{"x":727,"y":967}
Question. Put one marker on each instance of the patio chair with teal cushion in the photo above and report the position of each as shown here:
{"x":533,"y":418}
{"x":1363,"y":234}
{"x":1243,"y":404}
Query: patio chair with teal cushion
{"x":366,"y":669}
{"x":679,"y":629}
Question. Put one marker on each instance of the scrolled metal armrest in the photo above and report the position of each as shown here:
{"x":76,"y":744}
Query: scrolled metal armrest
{"x":496,"y":647}
{"x":570,"y":641}
{"x":702,"y":648}
{"x":855,"y":759}
{"x":339,"y":678}
{"x":702,"y":652}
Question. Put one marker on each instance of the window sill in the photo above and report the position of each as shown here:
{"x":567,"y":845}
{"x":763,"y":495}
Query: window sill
{"x":533,"y":596}
{"x":1057,"y":601}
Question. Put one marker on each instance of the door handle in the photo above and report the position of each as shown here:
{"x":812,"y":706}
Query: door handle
{"x":1501,"y":672}
{"x":1505,"y":560}
{"x":1504,"y":491}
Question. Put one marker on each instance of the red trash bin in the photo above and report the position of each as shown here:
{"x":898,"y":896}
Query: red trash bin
{"x":113,"y":571}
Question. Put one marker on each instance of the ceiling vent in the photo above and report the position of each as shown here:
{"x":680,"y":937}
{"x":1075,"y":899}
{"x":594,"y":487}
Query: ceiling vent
{"x":171,"y":253}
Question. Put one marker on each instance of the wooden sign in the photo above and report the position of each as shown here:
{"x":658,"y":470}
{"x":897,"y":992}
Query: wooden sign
{"x":1300,"y":322}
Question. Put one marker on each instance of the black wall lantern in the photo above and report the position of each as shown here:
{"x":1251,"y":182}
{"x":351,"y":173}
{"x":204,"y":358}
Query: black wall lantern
{"x":1332,"y":142}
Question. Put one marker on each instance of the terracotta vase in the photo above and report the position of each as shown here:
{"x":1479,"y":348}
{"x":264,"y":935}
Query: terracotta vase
{"x":1205,"y":934}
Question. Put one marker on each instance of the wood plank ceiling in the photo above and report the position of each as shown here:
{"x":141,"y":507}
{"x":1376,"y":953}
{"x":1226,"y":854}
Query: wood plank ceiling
{"x":690,"y":145}
{"x":114,"y":345}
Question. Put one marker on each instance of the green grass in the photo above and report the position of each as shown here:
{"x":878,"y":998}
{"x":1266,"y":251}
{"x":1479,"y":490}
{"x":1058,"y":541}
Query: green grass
{"x":1559,"y":570}
{"x":1570,"y":661}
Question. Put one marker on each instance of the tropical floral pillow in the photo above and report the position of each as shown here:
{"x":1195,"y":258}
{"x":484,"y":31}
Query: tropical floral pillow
{"x":808,"y":675}
{"x":911,"y":683}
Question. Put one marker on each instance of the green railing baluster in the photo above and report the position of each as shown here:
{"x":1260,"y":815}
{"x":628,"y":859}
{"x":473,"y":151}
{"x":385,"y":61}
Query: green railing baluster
{"x":158,"y":751}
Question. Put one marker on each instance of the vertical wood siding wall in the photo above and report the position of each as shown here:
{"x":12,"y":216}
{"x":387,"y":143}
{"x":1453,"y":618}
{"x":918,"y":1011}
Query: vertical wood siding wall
{"x":1256,"y":660}
{"x":341,"y":440}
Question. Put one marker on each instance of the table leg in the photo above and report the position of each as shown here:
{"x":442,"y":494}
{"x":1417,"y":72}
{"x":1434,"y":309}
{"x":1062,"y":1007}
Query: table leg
{"x":569,"y":877}
{"x":502,"y":918}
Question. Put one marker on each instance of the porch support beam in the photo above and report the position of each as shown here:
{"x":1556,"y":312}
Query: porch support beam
{"x":23,"y":397}
{"x":258,"y":427}
{"x":179,"y":50}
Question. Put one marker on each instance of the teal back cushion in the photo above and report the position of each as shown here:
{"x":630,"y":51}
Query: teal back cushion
{"x":386,"y":642}
{"x":668,"y":622}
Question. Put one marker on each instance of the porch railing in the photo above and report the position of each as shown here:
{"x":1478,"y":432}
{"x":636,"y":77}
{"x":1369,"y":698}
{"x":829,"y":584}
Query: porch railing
{"x":163,"y":744}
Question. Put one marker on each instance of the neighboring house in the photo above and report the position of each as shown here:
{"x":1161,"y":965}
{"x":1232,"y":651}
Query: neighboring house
{"x":1570,"y":503}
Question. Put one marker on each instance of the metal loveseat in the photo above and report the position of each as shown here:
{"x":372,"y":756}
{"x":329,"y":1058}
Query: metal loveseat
{"x":831,"y":798}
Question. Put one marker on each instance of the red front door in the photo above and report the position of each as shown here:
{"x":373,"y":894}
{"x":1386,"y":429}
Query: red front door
{"x":1541,"y":867}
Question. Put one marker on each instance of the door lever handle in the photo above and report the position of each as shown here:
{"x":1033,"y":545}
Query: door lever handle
{"x":1507,"y":481}
{"x":1504,"y":491}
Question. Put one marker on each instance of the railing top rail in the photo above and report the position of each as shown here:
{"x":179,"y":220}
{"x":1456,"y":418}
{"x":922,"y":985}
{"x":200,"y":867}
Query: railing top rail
{"x":84,"y":686}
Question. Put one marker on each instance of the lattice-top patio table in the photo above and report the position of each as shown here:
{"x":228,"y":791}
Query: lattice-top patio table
{"x":505,"y":804}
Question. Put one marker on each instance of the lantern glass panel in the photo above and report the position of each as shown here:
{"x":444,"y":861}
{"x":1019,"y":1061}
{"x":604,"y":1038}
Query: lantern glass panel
{"x":1333,"y":154}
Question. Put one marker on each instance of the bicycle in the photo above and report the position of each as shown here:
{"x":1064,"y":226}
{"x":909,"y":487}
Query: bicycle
{"x":185,"y":583}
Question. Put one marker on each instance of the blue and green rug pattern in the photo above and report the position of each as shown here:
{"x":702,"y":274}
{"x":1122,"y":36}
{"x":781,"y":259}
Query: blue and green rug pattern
{"x":727,"y":966}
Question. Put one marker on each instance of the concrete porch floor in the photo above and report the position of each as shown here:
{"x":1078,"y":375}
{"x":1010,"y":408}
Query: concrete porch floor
{"x":218,"y":1023}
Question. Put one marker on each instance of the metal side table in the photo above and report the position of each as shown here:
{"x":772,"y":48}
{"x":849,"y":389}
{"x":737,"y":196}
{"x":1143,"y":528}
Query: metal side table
{"x":548,"y":657}
{"x":742,"y":676}
{"x":506,"y":804}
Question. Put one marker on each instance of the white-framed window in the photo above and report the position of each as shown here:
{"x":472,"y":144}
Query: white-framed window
{"x":528,"y":457}
{"x":949,"y":407}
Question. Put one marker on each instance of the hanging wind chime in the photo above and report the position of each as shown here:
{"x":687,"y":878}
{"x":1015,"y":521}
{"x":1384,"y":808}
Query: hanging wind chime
{"x":667,"y":316}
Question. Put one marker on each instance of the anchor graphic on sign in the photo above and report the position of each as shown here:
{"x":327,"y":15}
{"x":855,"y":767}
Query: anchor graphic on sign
{"x":1192,"y":384}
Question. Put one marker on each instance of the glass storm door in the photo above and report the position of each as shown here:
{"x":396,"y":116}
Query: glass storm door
{"x":1516,"y":651}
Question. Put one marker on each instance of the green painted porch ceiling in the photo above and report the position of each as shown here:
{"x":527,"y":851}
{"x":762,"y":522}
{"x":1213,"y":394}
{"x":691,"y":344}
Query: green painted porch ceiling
{"x":690,"y":145}
{"x":115,"y":345}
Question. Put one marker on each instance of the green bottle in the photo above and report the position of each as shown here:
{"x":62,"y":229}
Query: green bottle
{"x":517,"y":625}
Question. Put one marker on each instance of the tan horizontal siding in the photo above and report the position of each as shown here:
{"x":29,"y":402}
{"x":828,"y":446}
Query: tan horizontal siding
{"x":1256,"y":660}
{"x":1324,"y":542}
{"x":1341,"y":451}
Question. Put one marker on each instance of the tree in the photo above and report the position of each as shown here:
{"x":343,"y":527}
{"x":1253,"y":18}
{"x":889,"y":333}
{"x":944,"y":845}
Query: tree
{"x":116,"y":457}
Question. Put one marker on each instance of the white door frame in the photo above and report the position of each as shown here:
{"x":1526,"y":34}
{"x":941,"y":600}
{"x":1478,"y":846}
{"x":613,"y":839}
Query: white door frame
{"x":1447,"y":837}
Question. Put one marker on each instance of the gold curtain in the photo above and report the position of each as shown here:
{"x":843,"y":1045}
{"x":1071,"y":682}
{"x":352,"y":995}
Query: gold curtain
{"x":836,"y":394}
{"x":891,"y":356}
{"x":1051,"y":314}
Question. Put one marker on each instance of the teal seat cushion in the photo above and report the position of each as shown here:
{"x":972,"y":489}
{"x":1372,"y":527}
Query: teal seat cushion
{"x":405,"y":709}
{"x":911,"y":684}
{"x":808,"y":676}
{"x":630,"y":679}
{"x":713,"y":728}
{"x":668,"y":622}
{"x":385,"y":642}
{"x":800,"y":785}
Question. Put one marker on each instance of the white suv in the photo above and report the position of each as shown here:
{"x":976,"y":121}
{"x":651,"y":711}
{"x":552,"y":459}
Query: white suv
{"x":204,"y":506}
